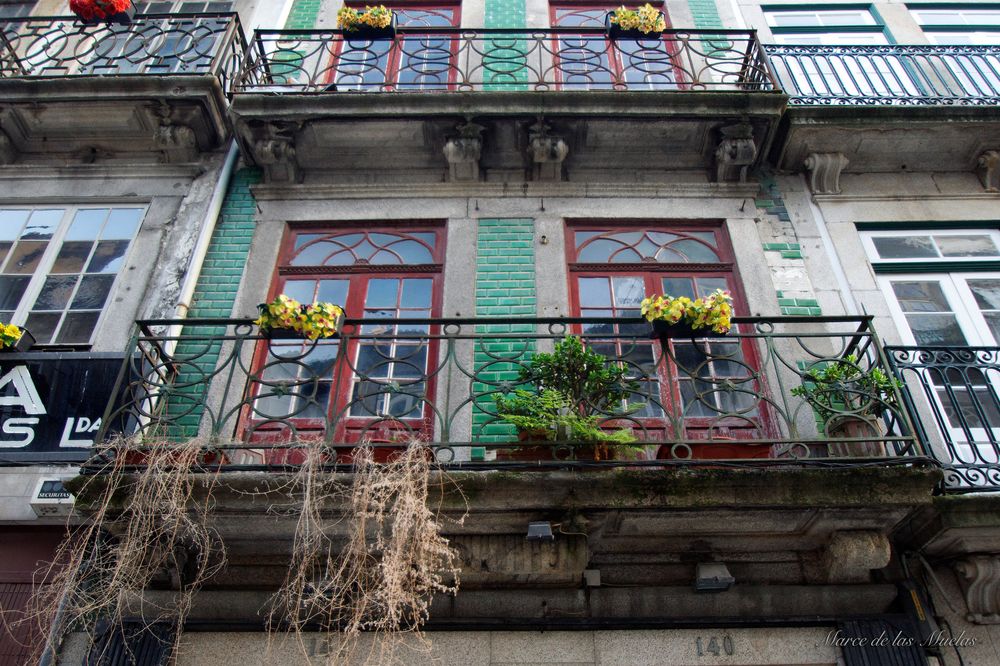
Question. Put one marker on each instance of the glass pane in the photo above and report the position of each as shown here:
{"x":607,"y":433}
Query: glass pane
{"x":108,"y":257}
{"x":87,"y":224}
{"x":416,"y":293}
{"x":382,"y":293}
{"x":11,"y":222}
{"x":42,"y":224}
{"x":678,"y":287}
{"x":707,"y":285}
{"x":905,"y":247}
{"x":56,"y":292}
{"x":300,"y":290}
{"x":411,"y":252}
{"x":93,"y":292}
{"x":967,"y":246}
{"x":595,"y":292}
{"x":320,"y":360}
{"x":374,"y":360}
{"x":333,"y":291}
{"x":4,"y":249}
{"x":936,"y":329}
{"x":25,"y":256}
{"x":122,"y":224}
{"x":78,"y":327}
{"x":11,"y":290}
{"x":411,"y":362}
{"x":72,"y":257}
{"x":42,"y":325}
{"x":695,"y":252}
{"x":920,"y":297}
{"x":629,"y":291}
{"x":993,"y":321}
{"x":987,"y":293}
{"x":407,"y":403}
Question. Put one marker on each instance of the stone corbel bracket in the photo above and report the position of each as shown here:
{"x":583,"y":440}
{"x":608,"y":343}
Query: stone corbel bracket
{"x":463,"y":153}
{"x":988,"y":168}
{"x":824,"y":172}
{"x":176,"y":143}
{"x":851,"y":555}
{"x":979,"y":576}
{"x":735,"y":153}
{"x":275,"y":154}
{"x":547,"y":152}
{"x":8,"y":151}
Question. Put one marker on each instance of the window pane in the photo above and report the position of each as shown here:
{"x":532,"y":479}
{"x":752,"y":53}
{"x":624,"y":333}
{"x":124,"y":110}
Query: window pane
{"x":987,"y":293}
{"x":382,"y":293}
{"x":936,"y":329}
{"x":920,"y":297}
{"x":333,"y":291}
{"x":42,"y":224}
{"x":707,"y":285}
{"x":78,"y":327}
{"x":87,"y":224}
{"x":108,"y":257}
{"x":93,"y":292}
{"x":967,"y":246}
{"x":905,"y":247}
{"x":122,"y":224}
{"x":42,"y":325}
{"x":302,"y":291}
{"x":72,"y":257}
{"x":11,"y":290}
{"x":4,"y":249}
{"x":595,"y":292}
{"x":417,"y":293}
{"x":11,"y":222}
{"x":629,"y":291}
{"x":678,"y":287}
{"x":25,"y":256}
{"x":55,"y":293}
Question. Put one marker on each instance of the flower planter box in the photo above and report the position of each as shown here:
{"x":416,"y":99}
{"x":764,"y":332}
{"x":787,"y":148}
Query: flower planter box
{"x":536,"y":448}
{"x":613,"y":32}
{"x":855,"y":428}
{"x":23,"y":344}
{"x":661,"y":329}
{"x":370,"y":34}
{"x":275,"y":333}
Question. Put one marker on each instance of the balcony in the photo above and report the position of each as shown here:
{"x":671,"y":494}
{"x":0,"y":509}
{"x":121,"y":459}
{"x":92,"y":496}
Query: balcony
{"x":260,"y":402}
{"x":315,"y":91}
{"x":890,"y":108}
{"x":157,"y":87}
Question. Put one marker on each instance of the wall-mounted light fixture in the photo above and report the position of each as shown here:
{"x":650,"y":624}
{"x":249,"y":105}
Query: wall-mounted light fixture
{"x":713,"y":577}
{"x":540,"y":531}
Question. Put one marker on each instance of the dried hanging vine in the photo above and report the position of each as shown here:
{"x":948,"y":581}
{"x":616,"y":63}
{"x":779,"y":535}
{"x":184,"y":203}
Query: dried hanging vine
{"x":379,"y":575}
{"x":146,"y":511}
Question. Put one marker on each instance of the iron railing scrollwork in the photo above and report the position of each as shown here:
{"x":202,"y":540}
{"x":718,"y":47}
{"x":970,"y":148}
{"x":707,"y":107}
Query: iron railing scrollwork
{"x":261,"y":401}
{"x":879,"y":75}
{"x":956,"y":393}
{"x":459,"y":59}
{"x":153,"y":44}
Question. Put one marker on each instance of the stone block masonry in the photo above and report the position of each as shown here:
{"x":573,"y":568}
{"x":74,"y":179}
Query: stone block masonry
{"x":505,"y":287}
{"x":216,"y":290}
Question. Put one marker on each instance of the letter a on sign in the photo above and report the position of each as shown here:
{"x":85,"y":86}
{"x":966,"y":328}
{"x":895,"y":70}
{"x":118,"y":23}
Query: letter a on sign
{"x":24,"y":388}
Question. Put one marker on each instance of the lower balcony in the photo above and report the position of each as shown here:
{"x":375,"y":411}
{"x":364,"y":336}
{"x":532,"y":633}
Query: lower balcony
{"x":787,"y":391}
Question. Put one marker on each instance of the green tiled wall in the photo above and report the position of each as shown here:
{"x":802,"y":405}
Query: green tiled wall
{"x":705,"y":14}
{"x":505,"y":286}
{"x":505,"y":68}
{"x":303,"y":15}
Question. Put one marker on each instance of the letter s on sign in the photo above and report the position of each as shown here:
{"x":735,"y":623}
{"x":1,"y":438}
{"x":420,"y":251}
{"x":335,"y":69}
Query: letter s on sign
{"x":24,"y":427}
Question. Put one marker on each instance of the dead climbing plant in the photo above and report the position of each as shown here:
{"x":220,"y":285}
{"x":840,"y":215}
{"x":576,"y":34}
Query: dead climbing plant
{"x":146,"y":507}
{"x":377,"y":576}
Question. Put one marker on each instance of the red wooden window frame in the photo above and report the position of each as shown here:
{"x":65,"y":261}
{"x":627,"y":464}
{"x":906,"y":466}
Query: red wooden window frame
{"x":359,"y":275}
{"x":613,"y":55}
{"x":652,"y":273}
{"x":395,"y":51}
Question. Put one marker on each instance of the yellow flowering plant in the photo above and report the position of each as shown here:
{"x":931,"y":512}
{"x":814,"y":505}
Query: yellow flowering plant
{"x":318,"y":320}
{"x":646,"y":19}
{"x":350,"y":19}
{"x":9,"y":335}
{"x":714,"y":312}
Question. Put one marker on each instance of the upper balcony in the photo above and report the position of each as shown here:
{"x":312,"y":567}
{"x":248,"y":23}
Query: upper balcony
{"x":892,"y":107}
{"x":157,"y":87}
{"x":513,"y":105}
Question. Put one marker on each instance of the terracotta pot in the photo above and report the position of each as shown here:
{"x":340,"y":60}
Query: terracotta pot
{"x":853,"y":428}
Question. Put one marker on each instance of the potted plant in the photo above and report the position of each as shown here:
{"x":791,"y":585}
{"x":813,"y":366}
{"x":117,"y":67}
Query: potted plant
{"x":15,"y":339}
{"x":371,"y":23}
{"x":576,"y":390}
{"x":94,"y":12}
{"x":681,"y":317}
{"x":285,"y":317}
{"x":848,"y":401}
{"x":646,"y":22}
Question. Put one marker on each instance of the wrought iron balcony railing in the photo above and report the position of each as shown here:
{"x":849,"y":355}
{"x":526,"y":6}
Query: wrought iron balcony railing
{"x":154,"y":44}
{"x":886,"y":75}
{"x":458,"y":59}
{"x":959,"y":409}
{"x":751,"y":398}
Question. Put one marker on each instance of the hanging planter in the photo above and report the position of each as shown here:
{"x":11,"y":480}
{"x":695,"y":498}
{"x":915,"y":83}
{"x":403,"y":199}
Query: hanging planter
{"x":15,"y":339}
{"x":95,"y":12}
{"x":285,"y":317}
{"x":372,"y":23}
{"x":680,"y":317}
{"x":646,"y":22}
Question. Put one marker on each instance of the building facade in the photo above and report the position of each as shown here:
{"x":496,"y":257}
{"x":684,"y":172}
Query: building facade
{"x":488,"y":179}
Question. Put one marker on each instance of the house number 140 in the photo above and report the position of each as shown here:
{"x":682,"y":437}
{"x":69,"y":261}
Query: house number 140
{"x":714,"y":646}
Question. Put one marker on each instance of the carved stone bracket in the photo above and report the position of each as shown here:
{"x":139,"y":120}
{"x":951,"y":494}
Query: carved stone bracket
{"x":735,"y":153}
{"x":277,"y":156}
{"x":547,"y":153}
{"x":852,"y":554}
{"x":988,"y":168}
{"x":177,"y":143}
{"x":8,"y":151}
{"x":979,"y":576}
{"x":824,"y":172}
{"x":463,"y":153}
